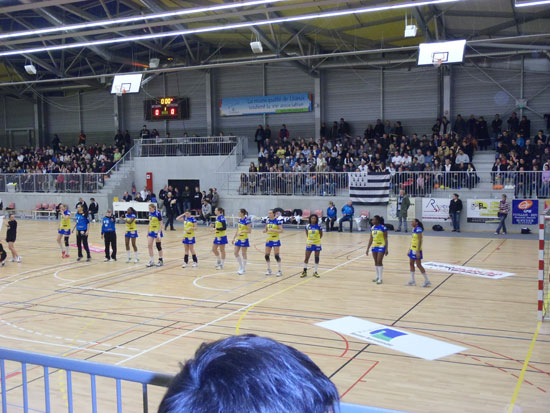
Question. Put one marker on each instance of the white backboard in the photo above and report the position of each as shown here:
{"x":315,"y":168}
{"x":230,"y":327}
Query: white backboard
{"x":128,"y":83}
{"x":448,"y":52}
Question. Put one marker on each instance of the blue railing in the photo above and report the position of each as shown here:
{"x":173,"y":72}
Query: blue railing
{"x":119,"y":374}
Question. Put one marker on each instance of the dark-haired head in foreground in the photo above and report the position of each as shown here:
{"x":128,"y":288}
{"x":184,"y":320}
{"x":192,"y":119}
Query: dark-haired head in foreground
{"x":250,"y":374}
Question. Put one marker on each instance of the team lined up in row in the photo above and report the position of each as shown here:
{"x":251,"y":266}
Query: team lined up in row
{"x":378,"y":242}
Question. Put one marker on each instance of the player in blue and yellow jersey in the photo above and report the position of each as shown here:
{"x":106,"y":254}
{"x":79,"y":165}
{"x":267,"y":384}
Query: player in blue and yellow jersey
{"x":82,"y":230}
{"x":314,"y":233}
{"x":379,"y":241}
{"x":189,"y":228}
{"x":131,"y":234}
{"x":64,"y":230}
{"x":154,"y":235}
{"x":273,"y":229}
{"x":415,"y":253}
{"x":220,"y":241}
{"x":240,"y":240}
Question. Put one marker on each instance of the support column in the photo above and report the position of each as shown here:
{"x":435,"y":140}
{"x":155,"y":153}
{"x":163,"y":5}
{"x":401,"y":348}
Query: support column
{"x":317,"y":105}
{"x":447,"y":94}
{"x":382,"y":94}
{"x":38,"y":136}
{"x":80,"y":122}
{"x":116,"y":112}
{"x":209,"y":98}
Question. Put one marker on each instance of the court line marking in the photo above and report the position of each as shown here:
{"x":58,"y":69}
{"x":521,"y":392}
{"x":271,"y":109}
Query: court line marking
{"x":200,"y":327}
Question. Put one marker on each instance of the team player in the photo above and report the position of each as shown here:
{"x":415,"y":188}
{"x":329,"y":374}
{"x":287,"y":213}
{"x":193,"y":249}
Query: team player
{"x":220,"y":241}
{"x":379,"y":241}
{"x":189,"y":228}
{"x":240,"y":240}
{"x":314,"y":233}
{"x":108,"y":233}
{"x":273,"y":229}
{"x":131,"y":234}
{"x":64,"y":230}
{"x":81,"y":226}
{"x":415,"y":253}
{"x":154,"y":235}
{"x":11,"y":235}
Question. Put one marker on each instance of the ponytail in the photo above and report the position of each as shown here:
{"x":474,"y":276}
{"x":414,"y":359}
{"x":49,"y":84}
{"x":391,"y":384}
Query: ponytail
{"x":420,"y":224}
{"x":244,"y":211}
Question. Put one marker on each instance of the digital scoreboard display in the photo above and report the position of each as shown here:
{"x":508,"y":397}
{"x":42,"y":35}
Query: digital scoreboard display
{"x":166,"y":108}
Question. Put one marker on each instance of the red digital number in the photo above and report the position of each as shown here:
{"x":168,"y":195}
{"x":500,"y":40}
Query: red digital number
{"x":156,"y":112}
{"x":172,"y":111}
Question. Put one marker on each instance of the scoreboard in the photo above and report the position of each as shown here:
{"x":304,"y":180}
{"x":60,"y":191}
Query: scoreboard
{"x":166,"y":108}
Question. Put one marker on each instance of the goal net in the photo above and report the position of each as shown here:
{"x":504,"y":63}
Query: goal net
{"x":544,"y":267}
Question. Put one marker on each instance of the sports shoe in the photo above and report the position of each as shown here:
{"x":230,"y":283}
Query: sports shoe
{"x":67,"y":255}
{"x":79,"y":259}
{"x":3,"y":263}
{"x":219,"y":267}
{"x":128,"y":260}
{"x":279,"y":273}
{"x":426,"y":284}
{"x":195,"y":265}
{"x":375,"y":280}
{"x":136,"y":260}
{"x":496,"y":233}
{"x":184,"y":265}
{"x":268,"y":272}
{"x":378,"y":281}
{"x":160,"y":263}
{"x":88,"y":259}
{"x":113,"y":259}
{"x":304,"y":273}
{"x":316,"y":274}
{"x":240,"y":272}
{"x":18,"y":259}
{"x":106,"y":259}
{"x":12,"y":260}
{"x":150,"y":264}
{"x":411,"y":283}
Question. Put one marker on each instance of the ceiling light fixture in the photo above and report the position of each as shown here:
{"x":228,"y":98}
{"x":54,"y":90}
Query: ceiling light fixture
{"x":135,"y":18}
{"x":225,"y":27}
{"x":531,"y":3}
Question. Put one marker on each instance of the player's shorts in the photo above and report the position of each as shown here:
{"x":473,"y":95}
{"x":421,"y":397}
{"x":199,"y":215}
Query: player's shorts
{"x":188,"y":241}
{"x":415,"y":255}
{"x":244,"y":243}
{"x":313,"y":247}
{"x":155,"y":234}
{"x":131,"y":234}
{"x":10,"y":239}
{"x":378,"y":249}
{"x":273,"y":243}
{"x":220,"y":240}
{"x":64,"y":232}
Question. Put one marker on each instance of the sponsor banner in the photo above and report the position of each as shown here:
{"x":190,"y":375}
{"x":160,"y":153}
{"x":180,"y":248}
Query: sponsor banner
{"x":393,"y":338}
{"x":257,"y":105}
{"x":482,"y":210}
{"x":92,"y":248}
{"x":435,"y":209}
{"x":525,"y":211}
{"x":392,"y":210}
{"x":459,"y":269}
{"x":546,"y":206}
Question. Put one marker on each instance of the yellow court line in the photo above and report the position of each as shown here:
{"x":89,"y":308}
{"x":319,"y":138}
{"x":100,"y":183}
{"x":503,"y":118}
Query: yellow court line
{"x":288,"y":289}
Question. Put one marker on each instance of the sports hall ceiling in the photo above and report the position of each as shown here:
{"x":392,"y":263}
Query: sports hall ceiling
{"x":526,"y":30}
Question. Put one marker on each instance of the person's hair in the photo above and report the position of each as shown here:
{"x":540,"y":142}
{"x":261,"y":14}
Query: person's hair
{"x":11,"y":215}
{"x":458,"y":196}
{"x":419,"y":223}
{"x":108,"y":211}
{"x":243,"y":211}
{"x":380,"y":219}
{"x":187,"y":210}
{"x":151,"y":205}
{"x":314,"y":216}
{"x":331,"y":203}
{"x":132,"y":211}
{"x":250,"y":374}
{"x":221,"y":210}
{"x":505,"y":196}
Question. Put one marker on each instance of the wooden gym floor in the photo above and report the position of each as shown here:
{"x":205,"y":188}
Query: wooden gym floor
{"x":153,"y":318}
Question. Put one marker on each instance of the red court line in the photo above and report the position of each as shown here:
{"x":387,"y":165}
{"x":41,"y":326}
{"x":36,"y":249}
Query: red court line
{"x":496,"y":249}
{"x":360,"y":379}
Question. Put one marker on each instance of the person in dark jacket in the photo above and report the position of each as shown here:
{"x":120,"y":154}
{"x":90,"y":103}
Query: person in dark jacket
{"x":332,"y":216}
{"x":455,"y":208}
{"x":93,"y":209}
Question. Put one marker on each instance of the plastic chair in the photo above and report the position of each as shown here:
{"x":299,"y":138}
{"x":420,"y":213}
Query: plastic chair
{"x":364,"y":216}
{"x":45,"y":206}
{"x":319,"y":213}
{"x":38,"y":206}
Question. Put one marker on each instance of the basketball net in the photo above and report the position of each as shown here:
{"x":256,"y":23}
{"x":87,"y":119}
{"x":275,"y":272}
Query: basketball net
{"x":438,"y":62}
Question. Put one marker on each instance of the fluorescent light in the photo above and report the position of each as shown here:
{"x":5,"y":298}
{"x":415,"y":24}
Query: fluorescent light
{"x":135,"y":18}
{"x":531,"y":3}
{"x":226,"y":27}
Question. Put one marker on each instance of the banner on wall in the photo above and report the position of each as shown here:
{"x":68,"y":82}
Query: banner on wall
{"x":258,"y":105}
{"x":525,"y":211}
{"x":392,"y":210}
{"x":546,"y":206}
{"x":482,"y":210}
{"x":435,"y":209}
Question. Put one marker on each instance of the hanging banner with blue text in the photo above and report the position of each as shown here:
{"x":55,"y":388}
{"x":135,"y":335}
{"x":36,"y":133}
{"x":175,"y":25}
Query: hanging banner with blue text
{"x":258,"y":105}
{"x":525,"y":211}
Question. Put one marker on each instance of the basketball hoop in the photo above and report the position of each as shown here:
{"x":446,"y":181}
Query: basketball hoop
{"x":121,"y":91}
{"x":437,"y":62}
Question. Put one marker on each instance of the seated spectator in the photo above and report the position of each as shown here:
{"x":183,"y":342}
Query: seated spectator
{"x":139,"y":198}
{"x":347,"y":215}
{"x":250,"y":374}
{"x":206,"y":211}
{"x":126,"y":197}
{"x":462,"y":157}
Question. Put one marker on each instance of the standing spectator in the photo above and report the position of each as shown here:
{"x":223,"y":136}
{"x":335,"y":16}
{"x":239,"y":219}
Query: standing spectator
{"x":126,"y":197}
{"x":267,"y":132}
{"x":503,"y":210}
{"x":347,"y":212}
{"x":323,"y":130}
{"x":343,"y":128}
{"x":471,"y":126}
{"x":82,"y":203}
{"x":186,"y":195}
{"x":460,"y":126}
{"x":171,"y":210}
{"x":332,"y":216}
{"x":208,"y":196}
{"x":127,"y":139}
{"x":482,"y":133}
{"x":496,"y":129}
{"x":513,"y":123}
{"x":445,"y":126}
{"x":334,"y":131}
{"x":93,"y":209}
{"x":284,"y":133}
{"x":403,"y":204}
{"x":55,"y":143}
{"x":215,"y":201}
{"x":144,"y":133}
{"x":524,"y":127}
{"x":108,"y":234}
{"x":378,"y":129}
{"x":82,"y":138}
{"x":144,"y":193}
{"x":206,"y":211}
{"x":119,"y":140}
{"x":455,"y":208}
{"x":197,"y":200}
{"x":259,"y":136}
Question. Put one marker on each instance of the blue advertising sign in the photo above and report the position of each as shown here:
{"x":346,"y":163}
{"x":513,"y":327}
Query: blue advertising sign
{"x":525,"y":211}
{"x":257,"y":105}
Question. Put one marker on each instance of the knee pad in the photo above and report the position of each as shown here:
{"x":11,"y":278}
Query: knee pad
{"x":159,"y":246}
{"x":277,"y":257}
{"x":66,"y":241}
{"x":316,"y":259}
{"x":267,"y":257}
